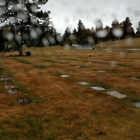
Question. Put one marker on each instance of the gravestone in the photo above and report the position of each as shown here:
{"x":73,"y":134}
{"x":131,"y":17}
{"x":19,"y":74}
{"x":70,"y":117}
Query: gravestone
{"x":83,"y":83}
{"x":24,"y":101}
{"x":12,"y":91}
{"x":116,"y":94}
{"x":65,"y":75}
{"x":97,"y":88}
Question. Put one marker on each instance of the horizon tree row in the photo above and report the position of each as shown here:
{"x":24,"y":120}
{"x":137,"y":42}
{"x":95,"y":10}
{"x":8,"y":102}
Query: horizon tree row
{"x":117,"y":31}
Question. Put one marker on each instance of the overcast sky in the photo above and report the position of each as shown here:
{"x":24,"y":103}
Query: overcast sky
{"x":66,"y":13}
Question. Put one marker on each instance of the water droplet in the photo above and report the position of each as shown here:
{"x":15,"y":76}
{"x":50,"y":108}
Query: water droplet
{"x":129,"y":41}
{"x":51,"y":40}
{"x":59,"y":38}
{"x":33,"y":20}
{"x":33,"y":34}
{"x":33,"y":8}
{"x":18,"y":37}
{"x":122,"y":54}
{"x":113,"y":63}
{"x":102,"y":33}
{"x":2,"y":3}
{"x":109,"y":50}
{"x":67,"y":47}
{"x":45,"y":42}
{"x":10,"y":36}
{"x":117,"y":32}
{"x":90,"y":40}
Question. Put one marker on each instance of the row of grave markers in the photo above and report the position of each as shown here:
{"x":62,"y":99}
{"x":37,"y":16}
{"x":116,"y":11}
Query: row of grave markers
{"x":112,"y":93}
{"x":12,"y":89}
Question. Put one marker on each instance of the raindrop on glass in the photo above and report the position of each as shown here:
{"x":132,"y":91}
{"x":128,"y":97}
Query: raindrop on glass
{"x":129,"y":41}
{"x":117,"y":32}
{"x":122,"y":54}
{"x":45,"y":42}
{"x":67,"y":47}
{"x":102,"y":33}
{"x":51,"y":40}
{"x":113,"y":63}
{"x":59,"y":38}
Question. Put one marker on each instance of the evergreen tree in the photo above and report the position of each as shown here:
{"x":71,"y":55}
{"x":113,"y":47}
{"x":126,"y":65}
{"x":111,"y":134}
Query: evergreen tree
{"x":24,"y":20}
{"x":81,"y":34}
{"x":67,"y":36}
{"x":128,"y":31}
{"x":138,"y":30}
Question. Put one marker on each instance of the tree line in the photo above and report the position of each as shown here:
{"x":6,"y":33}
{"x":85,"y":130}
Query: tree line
{"x":117,"y":31}
{"x":22,"y":22}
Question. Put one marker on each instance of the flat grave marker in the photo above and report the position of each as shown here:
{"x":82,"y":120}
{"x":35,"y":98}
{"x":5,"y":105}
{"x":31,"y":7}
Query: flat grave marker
{"x":116,"y":94}
{"x":97,"y":88}
{"x":83,"y":83}
{"x":65,"y":75}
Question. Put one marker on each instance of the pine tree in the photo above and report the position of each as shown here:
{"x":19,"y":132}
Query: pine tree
{"x":24,"y":20}
{"x":128,"y":30}
{"x":67,"y":36}
{"x":138,"y":30}
{"x":81,"y":35}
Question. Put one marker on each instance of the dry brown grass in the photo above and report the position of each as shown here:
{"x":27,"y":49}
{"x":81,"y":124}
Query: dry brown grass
{"x":63,"y":109}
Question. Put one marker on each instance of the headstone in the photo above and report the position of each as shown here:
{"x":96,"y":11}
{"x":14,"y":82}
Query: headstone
{"x":10,"y":86}
{"x":7,"y":82}
{"x":134,"y":78}
{"x":97,"y":88}
{"x":65,"y":75}
{"x":83,"y":83}
{"x":78,"y":66}
{"x":116,"y":94}
{"x":24,"y":101}
{"x":5,"y":78}
{"x":12,"y":91}
{"x":101,"y":71}
{"x":137,"y":104}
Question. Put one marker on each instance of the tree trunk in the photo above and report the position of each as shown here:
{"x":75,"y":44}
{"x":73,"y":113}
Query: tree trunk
{"x":20,"y":50}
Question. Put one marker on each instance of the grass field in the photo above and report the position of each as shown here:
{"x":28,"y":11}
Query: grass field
{"x":61,"y":108}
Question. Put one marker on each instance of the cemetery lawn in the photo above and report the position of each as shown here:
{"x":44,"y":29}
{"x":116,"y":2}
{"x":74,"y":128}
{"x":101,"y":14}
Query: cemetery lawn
{"x":63,"y":109}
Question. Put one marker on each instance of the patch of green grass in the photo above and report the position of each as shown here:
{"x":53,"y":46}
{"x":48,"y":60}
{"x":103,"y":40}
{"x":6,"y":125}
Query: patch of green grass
{"x":34,"y":133}
{"x":3,"y":133}
{"x":49,"y":60}
{"x":50,"y":138}
{"x":40,"y":66}
{"x":22,"y":61}
{"x":38,"y":100}
{"x":22,"y":88}
{"x":11,"y":134}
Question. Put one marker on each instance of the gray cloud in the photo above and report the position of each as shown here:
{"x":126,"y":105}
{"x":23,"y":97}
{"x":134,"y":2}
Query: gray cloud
{"x":67,"y":13}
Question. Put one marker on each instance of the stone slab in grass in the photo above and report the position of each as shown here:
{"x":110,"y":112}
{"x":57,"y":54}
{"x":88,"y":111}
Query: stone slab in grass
{"x":24,"y":101}
{"x":89,"y":62}
{"x":101,"y":71}
{"x":97,"y":88}
{"x":137,"y":104}
{"x":10,"y":86}
{"x":83,"y":83}
{"x":12,"y":91}
{"x":7,"y":82}
{"x":65,"y":75}
{"x":134,"y":78}
{"x":78,"y":66}
{"x":116,"y":94}
{"x":5,"y":78}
